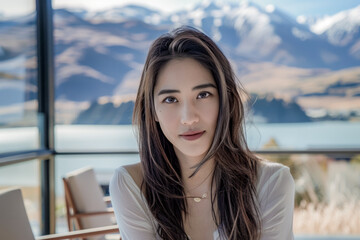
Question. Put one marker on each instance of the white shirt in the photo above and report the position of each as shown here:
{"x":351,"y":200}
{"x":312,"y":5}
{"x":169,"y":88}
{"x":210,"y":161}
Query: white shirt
{"x":275,"y":191}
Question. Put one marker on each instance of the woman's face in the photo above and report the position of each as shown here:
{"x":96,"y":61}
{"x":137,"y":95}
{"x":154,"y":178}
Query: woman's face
{"x":187,"y":106}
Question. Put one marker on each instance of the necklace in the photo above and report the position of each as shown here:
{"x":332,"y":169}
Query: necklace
{"x":198,"y":199}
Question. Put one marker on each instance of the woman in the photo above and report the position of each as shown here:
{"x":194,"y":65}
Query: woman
{"x":197,"y":178}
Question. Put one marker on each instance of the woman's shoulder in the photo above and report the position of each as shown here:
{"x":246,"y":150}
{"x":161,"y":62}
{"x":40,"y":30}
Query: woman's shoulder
{"x":273,"y":175}
{"x":267,"y":168}
{"x":127,"y":178}
{"x":134,"y":170}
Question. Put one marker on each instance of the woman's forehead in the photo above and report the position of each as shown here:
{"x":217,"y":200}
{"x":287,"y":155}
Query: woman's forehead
{"x":183,"y":73}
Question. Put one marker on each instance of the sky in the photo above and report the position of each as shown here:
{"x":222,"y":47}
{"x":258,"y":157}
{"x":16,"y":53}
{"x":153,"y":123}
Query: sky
{"x":310,"y":8}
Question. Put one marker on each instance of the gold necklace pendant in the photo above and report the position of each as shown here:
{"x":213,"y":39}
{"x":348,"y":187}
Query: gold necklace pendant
{"x":198,"y":199}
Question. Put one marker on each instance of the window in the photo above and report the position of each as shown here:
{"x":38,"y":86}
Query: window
{"x":23,"y":148}
{"x":309,"y":94}
{"x":19,"y":117}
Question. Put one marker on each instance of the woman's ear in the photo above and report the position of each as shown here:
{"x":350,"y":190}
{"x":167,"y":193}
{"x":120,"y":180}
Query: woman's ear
{"x":156,"y":118}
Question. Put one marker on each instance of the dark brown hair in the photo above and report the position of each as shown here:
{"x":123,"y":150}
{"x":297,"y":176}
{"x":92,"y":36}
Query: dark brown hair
{"x":235,"y":172}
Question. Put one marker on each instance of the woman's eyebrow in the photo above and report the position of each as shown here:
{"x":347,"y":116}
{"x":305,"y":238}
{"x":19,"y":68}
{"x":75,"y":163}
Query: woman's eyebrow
{"x":167,"y":91}
{"x":201,"y":86}
{"x":206,"y":85}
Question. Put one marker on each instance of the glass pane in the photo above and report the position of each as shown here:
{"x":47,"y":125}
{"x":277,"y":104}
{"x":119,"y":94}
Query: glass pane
{"x":104,"y":167}
{"x":327,"y":194}
{"x":303,"y":136}
{"x":19,"y":119}
{"x":95,"y":138}
{"x":307,"y":70}
{"x":25,"y":176}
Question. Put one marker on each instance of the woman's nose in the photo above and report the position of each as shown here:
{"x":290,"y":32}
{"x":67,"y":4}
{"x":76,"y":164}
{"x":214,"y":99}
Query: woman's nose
{"x":189,"y":114}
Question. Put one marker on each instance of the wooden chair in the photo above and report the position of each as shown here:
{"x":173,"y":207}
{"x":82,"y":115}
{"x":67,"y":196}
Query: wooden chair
{"x":86,"y":206}
{"x":15,"y":225}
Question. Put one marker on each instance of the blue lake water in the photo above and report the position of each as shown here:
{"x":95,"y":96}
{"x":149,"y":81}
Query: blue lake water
{"x":288,"y":136}
{"x":320,"y":135}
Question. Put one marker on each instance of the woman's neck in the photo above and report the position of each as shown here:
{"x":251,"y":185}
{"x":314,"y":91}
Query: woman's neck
{"x":199,"y":183}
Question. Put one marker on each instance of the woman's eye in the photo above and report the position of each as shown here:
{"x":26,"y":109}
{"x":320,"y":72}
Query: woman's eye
{"x":203,"y":95}
{"x":170,"y":100}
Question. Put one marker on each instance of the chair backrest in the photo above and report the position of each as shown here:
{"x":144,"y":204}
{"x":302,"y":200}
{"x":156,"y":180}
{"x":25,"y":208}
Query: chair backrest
{"x":14,"y":222}
{"x":85,"y":194}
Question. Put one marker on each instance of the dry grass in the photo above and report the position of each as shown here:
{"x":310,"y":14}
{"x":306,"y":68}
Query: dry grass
{"x":328,"y":196}
{"x":290,"y":83}
{"x":330,"y":103}
{"x":327,"y":219}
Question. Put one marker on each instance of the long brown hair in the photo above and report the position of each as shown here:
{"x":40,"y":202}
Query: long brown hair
{"x":235,"y":172}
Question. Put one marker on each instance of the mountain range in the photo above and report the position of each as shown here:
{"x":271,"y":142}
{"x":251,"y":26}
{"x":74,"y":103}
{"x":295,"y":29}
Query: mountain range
{"x":102,"y":53}
{"x":259,"y":34}
{"x":108,"y":48}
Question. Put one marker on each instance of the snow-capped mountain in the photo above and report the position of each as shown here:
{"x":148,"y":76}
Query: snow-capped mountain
{"x":126,"y":13}
{"x":105,"y":51}
{"x":339,"y":26}
{"x":341,"y":29}
{"x":247,"y":31}
{"x":66,"y":18}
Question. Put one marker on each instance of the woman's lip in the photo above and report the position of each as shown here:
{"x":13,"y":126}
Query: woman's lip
{"x":190,"y":136}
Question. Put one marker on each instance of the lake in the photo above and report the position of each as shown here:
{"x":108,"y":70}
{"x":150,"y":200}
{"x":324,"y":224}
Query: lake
{"x":318,"y":135}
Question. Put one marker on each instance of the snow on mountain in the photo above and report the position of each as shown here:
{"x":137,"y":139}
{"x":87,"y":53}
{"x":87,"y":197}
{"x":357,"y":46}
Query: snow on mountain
{"x":126,"y":13}
{"x":65,"y":17}
{"x":245,"y":26}
{"x":255,"y":29}
{"x":341,"y":28}
{"x":247,"y":31}
{"x":79,"y":12}
{"x":97,"y":55}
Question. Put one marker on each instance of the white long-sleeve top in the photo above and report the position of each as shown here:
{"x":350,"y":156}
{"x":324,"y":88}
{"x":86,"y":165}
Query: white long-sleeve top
{"x":275,"y":195}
